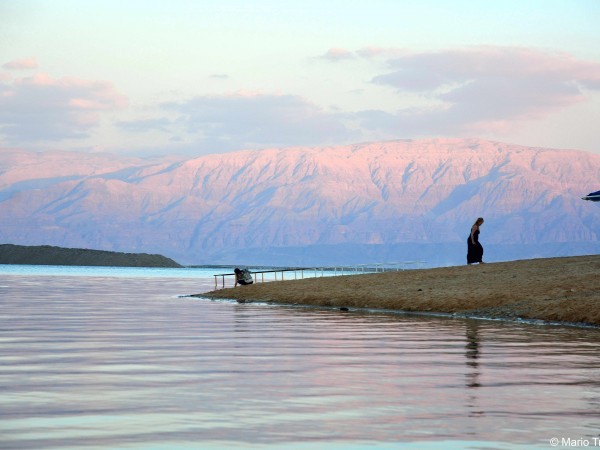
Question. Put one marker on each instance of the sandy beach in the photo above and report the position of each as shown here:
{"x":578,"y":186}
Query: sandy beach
{"x":550,"y":289}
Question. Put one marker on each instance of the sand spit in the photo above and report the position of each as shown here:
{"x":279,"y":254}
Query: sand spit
{"x":551,"y":289}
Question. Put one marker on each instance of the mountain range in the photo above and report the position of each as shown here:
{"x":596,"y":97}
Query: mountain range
{"x":406,"y":200}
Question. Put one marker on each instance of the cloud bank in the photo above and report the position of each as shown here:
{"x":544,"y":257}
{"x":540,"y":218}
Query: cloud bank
{"x":482,"y":89}
{"x":40,"y":108}
{"x":248,"y":120}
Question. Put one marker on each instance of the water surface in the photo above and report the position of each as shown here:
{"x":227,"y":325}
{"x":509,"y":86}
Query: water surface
{"x":124,"y":362}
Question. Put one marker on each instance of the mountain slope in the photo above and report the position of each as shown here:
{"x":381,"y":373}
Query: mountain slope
{"x":250,"y":203}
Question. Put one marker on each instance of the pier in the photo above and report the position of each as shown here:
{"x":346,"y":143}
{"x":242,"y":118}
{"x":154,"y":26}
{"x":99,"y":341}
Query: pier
{"x":295,"y":273}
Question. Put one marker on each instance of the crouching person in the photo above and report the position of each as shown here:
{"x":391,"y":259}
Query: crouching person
{"x":243,"y":277}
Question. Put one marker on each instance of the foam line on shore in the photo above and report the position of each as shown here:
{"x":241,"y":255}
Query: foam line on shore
{"x":458,"y":316}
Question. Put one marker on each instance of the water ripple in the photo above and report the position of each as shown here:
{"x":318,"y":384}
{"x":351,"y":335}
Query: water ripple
{"x":102,"y":362}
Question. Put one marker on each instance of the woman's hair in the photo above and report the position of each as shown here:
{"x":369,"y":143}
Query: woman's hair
{"x":478,"y":221}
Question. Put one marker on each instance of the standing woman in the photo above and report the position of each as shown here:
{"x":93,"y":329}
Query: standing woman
{"x":475,"y":250}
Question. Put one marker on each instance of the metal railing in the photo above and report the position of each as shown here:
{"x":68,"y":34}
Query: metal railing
{"x":299,"y":272}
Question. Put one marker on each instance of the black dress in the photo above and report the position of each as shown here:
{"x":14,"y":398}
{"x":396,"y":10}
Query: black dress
{"x":475,"y":251}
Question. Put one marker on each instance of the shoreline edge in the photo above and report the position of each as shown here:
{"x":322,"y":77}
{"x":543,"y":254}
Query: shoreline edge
{"x":563,"y":290}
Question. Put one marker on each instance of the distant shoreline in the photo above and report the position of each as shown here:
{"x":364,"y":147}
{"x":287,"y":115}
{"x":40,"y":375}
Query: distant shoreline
{"x":45,"y":255}
{"x":565,"y":290}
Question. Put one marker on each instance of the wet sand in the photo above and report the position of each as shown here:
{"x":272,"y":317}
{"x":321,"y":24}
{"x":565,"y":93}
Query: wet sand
{"x":550,"y":289}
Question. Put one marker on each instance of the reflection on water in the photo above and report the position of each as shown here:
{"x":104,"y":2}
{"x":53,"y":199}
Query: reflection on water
{"x":100,"y":362}
{"x":472,"y":354}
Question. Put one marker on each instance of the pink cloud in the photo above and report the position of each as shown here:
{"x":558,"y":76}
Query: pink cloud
{"x":40,"y":108}
{"x":21,"y":64}
{"x":487,"y":62}
{"x":485,"y":88}
{"x":374,"y":52}
{"x":338,"y":54}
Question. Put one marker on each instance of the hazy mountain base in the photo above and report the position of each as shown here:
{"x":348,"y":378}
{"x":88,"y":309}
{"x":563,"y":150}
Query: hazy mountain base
{"x":426,"y":255}
{"x":58,"y":256}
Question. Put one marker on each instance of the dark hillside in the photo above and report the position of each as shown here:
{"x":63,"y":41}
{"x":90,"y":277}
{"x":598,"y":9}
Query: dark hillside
{"x":58,"y":256}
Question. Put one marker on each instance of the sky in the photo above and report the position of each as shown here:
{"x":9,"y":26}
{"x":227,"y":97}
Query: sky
{"x":148,"y":77}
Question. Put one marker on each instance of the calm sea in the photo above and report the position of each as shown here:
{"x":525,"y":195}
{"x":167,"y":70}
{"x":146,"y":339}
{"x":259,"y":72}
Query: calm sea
{"x":110,"y":358}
